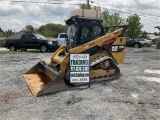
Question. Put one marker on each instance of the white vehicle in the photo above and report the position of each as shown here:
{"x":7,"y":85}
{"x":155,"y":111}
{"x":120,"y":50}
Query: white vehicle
{"x":146,"y":42}
{"x":61,"y":38}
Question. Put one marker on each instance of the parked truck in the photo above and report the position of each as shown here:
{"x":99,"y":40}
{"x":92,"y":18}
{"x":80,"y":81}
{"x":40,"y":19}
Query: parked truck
{"x":145,"y":42}
{"x":133,"y":43}
{"x":61,"y":39}
{"x":31,"y":41}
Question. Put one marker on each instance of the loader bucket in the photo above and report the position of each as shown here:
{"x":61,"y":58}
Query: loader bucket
{"x":43,"y":79}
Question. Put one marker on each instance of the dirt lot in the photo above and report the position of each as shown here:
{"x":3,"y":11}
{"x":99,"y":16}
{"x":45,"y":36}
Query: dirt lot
{"x":135,"y":95}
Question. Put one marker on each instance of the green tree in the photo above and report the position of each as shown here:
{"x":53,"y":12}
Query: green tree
{"x":1,"y":29}
{"x":85,"y":6}
{"x":52,"y":30}
{"x":112,"y":19}
{"x":8,"y":33}
{"x":29,"y":28}
{"x":134,"y":26}
{"x":155,"y":33}
{"x":144,"y":34}
{"x":1,"y":32}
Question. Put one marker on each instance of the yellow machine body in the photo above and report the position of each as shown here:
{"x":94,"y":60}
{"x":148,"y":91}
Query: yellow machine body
{"x":51,"y":77}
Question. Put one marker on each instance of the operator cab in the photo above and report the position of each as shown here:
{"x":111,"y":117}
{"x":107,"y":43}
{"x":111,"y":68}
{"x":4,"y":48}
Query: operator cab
{"x":86,"y":29}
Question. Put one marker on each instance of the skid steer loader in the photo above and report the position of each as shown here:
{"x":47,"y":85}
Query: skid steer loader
{"x":106,"y":50}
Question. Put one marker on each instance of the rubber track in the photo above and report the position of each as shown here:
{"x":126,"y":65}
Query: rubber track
{"x":97,"y":61}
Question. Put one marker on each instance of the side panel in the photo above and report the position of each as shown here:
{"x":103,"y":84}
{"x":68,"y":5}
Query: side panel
{"x":118,"y":50}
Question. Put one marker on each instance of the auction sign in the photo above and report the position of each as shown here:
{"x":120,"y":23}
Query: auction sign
{"x":79,"y":68}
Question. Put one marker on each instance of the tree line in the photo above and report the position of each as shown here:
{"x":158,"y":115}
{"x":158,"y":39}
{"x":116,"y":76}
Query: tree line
{"x":48,"y":30}
{"x":6,"y":33}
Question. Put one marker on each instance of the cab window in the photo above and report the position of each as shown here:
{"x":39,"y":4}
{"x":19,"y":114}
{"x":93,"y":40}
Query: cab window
{"x":90,"y":31}
{"x":63,"y":36}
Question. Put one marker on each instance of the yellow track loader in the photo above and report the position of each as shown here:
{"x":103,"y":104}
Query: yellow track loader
{"x":106,"y":50}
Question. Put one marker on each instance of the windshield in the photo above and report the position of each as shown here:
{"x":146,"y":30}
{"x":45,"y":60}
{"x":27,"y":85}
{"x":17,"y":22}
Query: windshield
{"x":39,"y":36}
{"x":63,"y":36}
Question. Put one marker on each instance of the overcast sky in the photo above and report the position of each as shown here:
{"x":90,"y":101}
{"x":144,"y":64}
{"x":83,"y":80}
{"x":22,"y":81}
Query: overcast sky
{"x":16,"y":15}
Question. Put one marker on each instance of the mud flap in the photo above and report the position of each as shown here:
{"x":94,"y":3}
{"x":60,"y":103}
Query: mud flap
{"x":43,"y":79}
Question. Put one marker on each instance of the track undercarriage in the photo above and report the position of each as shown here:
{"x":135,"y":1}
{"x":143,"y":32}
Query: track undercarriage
{"x":103,"y":68}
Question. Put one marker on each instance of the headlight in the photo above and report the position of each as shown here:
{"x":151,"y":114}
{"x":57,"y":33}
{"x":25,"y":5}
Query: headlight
{"x":50,"y":42}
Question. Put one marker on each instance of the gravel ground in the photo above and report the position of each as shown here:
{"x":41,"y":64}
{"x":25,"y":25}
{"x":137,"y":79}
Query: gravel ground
{"x":134,"y":96}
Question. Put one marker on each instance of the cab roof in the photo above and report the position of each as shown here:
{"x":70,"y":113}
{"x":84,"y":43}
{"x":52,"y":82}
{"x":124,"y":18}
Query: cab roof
{"x":77,"y":18}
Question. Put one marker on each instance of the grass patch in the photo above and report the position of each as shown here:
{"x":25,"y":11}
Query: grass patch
{"x":18,"y":52}
{"x":2,"y":38}
{"x":51,"y":38}
{"x":130,"y":48}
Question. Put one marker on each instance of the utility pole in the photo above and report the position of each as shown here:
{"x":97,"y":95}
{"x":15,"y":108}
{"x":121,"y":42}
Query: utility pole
{"x":88,"y":4}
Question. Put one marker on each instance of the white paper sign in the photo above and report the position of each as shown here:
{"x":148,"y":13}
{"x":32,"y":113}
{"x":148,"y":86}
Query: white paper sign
{"x":79,"y":68}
